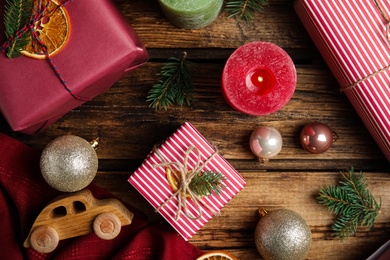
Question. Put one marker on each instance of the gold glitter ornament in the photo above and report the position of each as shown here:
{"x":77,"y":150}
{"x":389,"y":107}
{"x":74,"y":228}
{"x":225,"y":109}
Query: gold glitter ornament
{"x":69,"y":163}
{"x":282,"y":234}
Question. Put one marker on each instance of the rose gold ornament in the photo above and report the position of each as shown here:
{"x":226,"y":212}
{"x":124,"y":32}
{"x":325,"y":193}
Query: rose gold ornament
{"x":317,"y":137}
{"x":265,"y":142}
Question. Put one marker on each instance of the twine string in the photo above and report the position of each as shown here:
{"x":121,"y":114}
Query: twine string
{"x":37,"y":12}
{"x":186,"y":175}
{"x":387,"y":34}
{"x":385,"y":16}
{"x":365,"y":78}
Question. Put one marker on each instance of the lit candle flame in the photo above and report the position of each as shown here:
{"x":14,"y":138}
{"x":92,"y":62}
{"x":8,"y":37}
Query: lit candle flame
{"x":260,"y":79}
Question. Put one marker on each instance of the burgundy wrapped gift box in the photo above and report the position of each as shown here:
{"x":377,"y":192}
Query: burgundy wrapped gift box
{"x":101,"y":49}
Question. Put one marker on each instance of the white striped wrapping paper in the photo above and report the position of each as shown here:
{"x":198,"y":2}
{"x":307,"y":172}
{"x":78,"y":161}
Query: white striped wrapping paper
{"x":152,"y":183}
{"x":351,"y":36}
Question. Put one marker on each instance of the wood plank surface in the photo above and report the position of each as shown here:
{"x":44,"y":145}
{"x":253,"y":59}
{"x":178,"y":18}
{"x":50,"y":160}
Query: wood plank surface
{"x":128,"y":129}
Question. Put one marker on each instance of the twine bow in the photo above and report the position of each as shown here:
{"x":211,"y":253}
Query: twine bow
{"x":186,"y":176}
{"x":37,"y":12}
{"x":387,"y":19}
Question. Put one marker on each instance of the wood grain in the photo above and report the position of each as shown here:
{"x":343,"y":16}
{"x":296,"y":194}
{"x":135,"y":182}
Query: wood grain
{"x":128,"y":129}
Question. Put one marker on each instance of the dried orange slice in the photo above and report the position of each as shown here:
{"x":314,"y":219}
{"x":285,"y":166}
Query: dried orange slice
{"x":53,"y":29}
{"x":216,"y":255}
{"x":172,"y":179}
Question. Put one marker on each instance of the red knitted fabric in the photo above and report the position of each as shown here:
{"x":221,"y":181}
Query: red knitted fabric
{"x":24,"y":193}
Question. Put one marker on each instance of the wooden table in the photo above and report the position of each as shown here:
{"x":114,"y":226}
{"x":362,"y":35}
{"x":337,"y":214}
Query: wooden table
{"x":128,"y":129}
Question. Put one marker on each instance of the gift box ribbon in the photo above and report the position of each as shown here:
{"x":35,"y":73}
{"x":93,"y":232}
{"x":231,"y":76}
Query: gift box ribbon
{"x":37,"y":12}
{"x":185,"y":179}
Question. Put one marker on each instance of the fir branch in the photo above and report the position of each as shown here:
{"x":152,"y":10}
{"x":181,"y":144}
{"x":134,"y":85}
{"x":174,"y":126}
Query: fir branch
{"x":207,"y":182}
{"x":351,"y":202}
{"x":244,"y":9}
{"x":174,"y":84}
{"x":17,"y":14}
{"x":345,"y":226}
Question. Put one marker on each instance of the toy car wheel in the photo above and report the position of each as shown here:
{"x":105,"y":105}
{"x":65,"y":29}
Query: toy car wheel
{"x":44,"y":239}
{"x":107,"y":225}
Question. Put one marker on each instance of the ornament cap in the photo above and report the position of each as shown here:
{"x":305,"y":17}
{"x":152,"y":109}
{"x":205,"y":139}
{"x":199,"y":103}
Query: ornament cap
{"x":335,"y":136}
{"x":263,"y":212}
{"x":263,"y":161}
{"x":95,"y":143}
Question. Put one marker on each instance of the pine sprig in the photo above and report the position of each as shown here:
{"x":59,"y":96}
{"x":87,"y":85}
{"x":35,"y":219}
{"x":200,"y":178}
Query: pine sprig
{"x":17,"y":14}
{"x":244,"y":9}
{"x":174,"y":84}
{"x":207,"y":182}
{"x":351,"y":202}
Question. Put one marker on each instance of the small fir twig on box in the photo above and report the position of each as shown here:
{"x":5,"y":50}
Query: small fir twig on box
{"x":351,"y":202}
{"x":207,"y":182}
{"x":244,"y":9}
{"x":17,"y":14}
{"x":174,"y":84}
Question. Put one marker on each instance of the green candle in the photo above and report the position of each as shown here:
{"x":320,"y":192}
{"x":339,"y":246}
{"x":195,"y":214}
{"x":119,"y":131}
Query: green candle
{"x":191,"y":14}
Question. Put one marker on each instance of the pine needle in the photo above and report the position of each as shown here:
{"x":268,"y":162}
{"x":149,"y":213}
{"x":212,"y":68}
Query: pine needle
{"x":351,"y":202}
{"x":174,"y":84}
{"x":244,"y":9}
{"x":17,"y":14}
{"x":207,"y":182}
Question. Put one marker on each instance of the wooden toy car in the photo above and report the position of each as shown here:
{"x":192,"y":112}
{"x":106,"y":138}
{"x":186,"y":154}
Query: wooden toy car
{"x":77,"y":214}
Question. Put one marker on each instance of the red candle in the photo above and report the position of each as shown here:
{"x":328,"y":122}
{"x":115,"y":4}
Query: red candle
{"x":259,"y":78}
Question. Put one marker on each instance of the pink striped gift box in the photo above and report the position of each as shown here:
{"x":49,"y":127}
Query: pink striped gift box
{"x":353,"y":37}
{"x":150,"y":180}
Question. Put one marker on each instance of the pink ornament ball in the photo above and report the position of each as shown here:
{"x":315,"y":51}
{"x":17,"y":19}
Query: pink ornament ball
{"x":317,"y":137}
{"x":265,"y":142}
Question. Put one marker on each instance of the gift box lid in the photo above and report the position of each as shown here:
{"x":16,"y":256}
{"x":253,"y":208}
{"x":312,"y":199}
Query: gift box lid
{"x":152,"y":183}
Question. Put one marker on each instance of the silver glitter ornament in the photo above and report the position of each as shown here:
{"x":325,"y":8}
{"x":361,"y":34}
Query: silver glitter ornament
{"x":69,"y":163}
{"x":282,"y":234}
